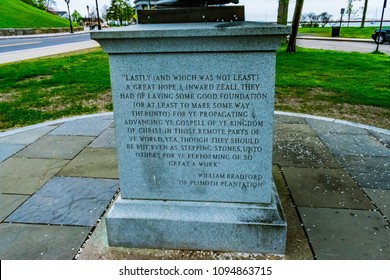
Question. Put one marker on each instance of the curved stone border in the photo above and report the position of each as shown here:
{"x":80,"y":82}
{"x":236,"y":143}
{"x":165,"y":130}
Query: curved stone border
{"x":359,"y":125}
{"x":26,"y":128}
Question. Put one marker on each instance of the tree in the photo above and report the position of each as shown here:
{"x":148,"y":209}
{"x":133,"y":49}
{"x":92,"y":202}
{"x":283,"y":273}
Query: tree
{"x":40,"y":4}
{"x":29,"y":2}
{"x":45,"y":5}
{"x":104,"y":12}
{"x":313,"y":19}
{"x":295,"y":25}
{"x":76,"y":17}
{"x":92,"y":12}
{"x":324,"y":18}
{"x":283,"y":12}
{"x":120,"y":10}
{"x":364,"y":13}
{"x":350,"y":11}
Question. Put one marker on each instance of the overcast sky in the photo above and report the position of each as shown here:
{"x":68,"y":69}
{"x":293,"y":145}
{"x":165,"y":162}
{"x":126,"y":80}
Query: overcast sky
{"x":261,"y":10}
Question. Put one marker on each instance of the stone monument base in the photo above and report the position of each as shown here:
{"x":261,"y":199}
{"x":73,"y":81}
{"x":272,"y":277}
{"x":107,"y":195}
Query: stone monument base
{"x":234,"y":227}
{"x":193,"y":108}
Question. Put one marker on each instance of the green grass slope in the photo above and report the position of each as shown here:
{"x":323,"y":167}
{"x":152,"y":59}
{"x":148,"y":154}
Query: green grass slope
{"x":16,"y":14}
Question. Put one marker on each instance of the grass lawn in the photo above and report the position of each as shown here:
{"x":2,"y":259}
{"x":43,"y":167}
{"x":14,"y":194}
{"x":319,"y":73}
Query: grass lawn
{"x":17,"y":14}
{"x":42,"y":89}
{"x":348,"y":86}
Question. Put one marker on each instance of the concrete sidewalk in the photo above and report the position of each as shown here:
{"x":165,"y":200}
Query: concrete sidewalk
{"x":59,"y":178}
{"x":46,"y":51}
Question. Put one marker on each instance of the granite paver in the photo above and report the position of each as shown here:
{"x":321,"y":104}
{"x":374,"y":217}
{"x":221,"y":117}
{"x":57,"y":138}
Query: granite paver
{"x":382,"y":138}
{"x":93,"y":162}
{"x":323,"y":187}
{"x":344,"y":234}
{"x":40,"y":242}
{"x":106,"y":140}
{"x":322,"y":127}
{"x":10,"y":202}
{"x":61,"y":147}
{"x":369,"y":172}
{"x":7,"y":150}
{"x":27,"y":137}
{"x":356,"y":145}
{"x":84,"y":127}
{"x":27,"y":175}
{"x":81,"y":202}
{"x":381,"y":198}
{"x":298,"y":145}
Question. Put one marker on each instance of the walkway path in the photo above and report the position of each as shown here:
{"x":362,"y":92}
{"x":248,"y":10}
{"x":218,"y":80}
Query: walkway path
{"x":341,"y":44}
{"x":58,"y":179}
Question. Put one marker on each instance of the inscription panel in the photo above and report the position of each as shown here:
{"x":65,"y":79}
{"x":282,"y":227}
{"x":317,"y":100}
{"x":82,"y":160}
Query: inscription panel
{"x":194,"y":127}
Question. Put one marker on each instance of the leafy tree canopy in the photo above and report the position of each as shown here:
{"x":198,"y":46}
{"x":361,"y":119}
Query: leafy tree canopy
{"x":120,"y":10}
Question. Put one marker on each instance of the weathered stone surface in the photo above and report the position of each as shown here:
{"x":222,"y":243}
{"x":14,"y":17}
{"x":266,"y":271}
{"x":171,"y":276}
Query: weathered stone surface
{"x":67,"y":201}
{"x":26,"y":175}
{"x":84,"y":127}
{"x":40,"y":242}
{"x":356,"y":145}
{"x":369,"y":172}
{"x":9,"y":202}
{"x":382,"y":138}
{"x":381,"y":199}
{"x":28,"y":136}
{"x":327,"y":127}
{"x":56,"y":147}
{"x":93,"y":162}
{"x":343,"y":234}
{"x":297,"y":245}
{"x":324,"y":187}
{"x":298,"y":145}
{"x":106,"y":140}
{"x":7,"y":150}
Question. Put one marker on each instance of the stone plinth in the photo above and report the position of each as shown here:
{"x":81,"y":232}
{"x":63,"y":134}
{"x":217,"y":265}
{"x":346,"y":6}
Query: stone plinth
{"x":193,"y":107}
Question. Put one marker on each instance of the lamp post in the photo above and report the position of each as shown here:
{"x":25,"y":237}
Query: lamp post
{"x":380,"y":26}
{"x":70,"y":20}
{"x":341,"y":13}
{"x":97,"y":11}
{"x":89,"y":21}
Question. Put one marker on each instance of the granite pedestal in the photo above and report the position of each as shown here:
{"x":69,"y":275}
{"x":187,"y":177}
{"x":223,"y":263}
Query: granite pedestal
{"x":193,"y":108}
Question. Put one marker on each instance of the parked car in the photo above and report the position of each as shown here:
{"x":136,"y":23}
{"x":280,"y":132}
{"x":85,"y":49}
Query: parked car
{"x":381,"y":37}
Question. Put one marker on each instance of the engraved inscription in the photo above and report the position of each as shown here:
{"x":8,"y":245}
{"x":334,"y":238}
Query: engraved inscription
{"x":202,"y":121}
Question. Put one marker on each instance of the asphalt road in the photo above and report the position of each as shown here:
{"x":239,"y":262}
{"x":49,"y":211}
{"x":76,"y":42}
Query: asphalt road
{"x":33,"y":42}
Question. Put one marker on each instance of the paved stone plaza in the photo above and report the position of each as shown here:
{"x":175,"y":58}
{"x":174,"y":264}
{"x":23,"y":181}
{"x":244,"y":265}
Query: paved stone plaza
{"x":59,"y":178}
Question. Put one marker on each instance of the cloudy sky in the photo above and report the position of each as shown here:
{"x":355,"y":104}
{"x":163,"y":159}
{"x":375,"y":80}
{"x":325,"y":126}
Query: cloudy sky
{"x":261,"y":10}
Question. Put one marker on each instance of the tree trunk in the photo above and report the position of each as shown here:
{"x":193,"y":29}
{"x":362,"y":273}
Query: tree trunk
{"x":364,"y":13}
{"x":283,"y":12}
{"x":295,"y":25}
